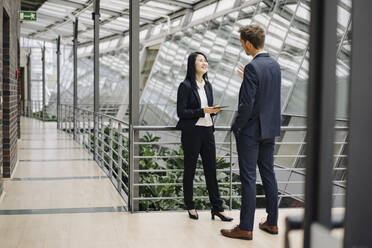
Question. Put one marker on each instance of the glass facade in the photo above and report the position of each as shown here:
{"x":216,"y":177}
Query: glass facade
{"x":287,"y":40}
{"x":213,"y":30}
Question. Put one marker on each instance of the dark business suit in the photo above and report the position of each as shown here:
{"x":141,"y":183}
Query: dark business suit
{"x":197,"y":140}
{"x":255,"y":127}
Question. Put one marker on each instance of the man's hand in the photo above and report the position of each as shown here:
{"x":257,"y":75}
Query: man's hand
{"x":240,"y":71}
{"x":211,"y":110}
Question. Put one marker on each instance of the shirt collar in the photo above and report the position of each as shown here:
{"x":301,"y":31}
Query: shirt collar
{"x":200,"y":84}
{"x":259,"y":53}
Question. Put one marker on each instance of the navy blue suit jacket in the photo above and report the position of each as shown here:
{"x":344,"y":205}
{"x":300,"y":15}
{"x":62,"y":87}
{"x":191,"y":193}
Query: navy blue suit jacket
{"x":188,"y":104}
{"x":259,"y":99}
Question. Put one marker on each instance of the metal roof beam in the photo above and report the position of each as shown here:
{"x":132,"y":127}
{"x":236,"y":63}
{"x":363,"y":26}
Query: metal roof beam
{"x":117,"y":14}
{"x":144,"y":26}
{"x":63,"y":22}
{"x":176,"y":3}
{"x":67,"y":3}
{"x":31,"y":4}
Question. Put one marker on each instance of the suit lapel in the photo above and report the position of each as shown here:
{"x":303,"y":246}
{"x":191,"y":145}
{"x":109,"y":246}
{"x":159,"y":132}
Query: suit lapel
{"x":208,"y":93}
{"x":195,"y":91}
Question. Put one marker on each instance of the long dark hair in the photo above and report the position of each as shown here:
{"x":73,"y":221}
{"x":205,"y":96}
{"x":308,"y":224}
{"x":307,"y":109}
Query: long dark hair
{"x":191,"y":71}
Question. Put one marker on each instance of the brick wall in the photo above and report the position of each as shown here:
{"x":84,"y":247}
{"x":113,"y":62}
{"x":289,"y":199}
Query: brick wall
{"x":9,"y":36}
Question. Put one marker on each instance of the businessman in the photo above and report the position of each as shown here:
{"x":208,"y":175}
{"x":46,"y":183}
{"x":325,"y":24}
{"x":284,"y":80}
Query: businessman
{"x":255,"y":127}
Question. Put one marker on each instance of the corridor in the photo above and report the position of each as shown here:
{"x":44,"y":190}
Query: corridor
{"x":59,"y":197}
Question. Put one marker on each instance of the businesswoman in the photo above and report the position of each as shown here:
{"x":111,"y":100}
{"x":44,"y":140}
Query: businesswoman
{"x":194,"y":101}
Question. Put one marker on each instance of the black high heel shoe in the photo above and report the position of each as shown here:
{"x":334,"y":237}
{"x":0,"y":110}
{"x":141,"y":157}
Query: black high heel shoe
{"x":194,"y":217}
{"x":221,"y":216}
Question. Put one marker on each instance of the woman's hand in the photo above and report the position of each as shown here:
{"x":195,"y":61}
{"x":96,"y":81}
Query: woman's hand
{"x":240,"y":71}
{"x":211,"y":110}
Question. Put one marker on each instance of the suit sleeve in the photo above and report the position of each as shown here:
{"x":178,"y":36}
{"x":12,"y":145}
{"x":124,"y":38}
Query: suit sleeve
{"x":247,"y":98}
{"x":182,"y":111}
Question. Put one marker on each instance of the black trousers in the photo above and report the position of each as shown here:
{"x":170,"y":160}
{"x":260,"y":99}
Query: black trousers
{"x":200,"y":140}
{"x":252,"y":151}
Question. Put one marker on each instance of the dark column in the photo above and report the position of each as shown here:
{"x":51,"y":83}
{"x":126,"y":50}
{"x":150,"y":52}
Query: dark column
{"x":43,"y":78}
{"x":76,"y":23}
{"x":58,"y":81}
{"x":320,"y":122}
{"x":29,"y":81}
{"x":96,"y":15}
{"x":134,"y":79}
{"x":359,"y":189}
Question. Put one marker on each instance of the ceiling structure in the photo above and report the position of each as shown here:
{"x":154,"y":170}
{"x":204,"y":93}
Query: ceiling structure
{"x":31,"y":4}
{"x":56,"y":17}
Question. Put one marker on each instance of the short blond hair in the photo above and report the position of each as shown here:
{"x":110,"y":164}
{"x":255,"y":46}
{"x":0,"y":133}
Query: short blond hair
{"x":253,"y":33}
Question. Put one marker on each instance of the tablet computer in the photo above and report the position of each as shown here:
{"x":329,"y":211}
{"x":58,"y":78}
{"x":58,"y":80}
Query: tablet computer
{"x":221,"y":107}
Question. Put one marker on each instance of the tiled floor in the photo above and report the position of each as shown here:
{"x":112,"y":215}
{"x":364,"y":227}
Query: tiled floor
{"x":50,"y":205}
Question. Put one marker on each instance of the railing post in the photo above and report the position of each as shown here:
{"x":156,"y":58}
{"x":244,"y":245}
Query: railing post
{"x":40,"y":108}
{"x":84,"y":129}
{"x":67,"y":114}
{"x":68,"y":125}
{"x":71,"y":118}
{"x":63,"y":110}
{"x":110,"y":148}
{"x":231,"y":150}
{"x":89,"y":133}
{"x":77,"y":125}
{"x":120,"y":154}
{"x":131,"y":169}
{"x":95,"y":136}
{"x":65,"y":118}
{"x":102,"y":142}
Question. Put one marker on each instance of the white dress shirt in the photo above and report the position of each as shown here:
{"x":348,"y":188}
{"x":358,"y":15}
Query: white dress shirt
{"x":207,"y":120}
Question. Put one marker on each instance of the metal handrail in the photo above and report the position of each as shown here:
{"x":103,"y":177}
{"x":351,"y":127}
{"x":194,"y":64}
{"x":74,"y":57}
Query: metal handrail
{"x":110,"y":147}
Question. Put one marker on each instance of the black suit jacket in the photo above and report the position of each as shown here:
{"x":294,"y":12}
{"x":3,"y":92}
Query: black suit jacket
{"x":188,"y":104}
{"x":259,"y":99}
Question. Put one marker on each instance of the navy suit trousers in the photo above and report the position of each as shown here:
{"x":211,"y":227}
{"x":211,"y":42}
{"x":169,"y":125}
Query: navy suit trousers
{"x":252,"y":151}
{"x":200,"y":140}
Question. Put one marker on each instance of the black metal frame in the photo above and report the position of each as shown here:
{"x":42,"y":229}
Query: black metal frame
{"x":358,"y":214}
